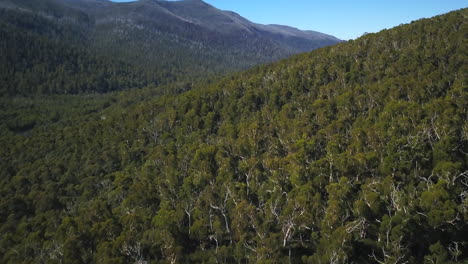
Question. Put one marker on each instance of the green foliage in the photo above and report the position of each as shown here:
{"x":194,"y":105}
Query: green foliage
{"x":354,"y":153}
{"x":43,"y":56}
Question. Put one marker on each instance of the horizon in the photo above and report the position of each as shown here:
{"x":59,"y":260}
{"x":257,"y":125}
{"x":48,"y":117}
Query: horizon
{"x":342,"y":19}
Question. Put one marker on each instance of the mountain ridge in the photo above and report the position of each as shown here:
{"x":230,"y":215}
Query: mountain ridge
{"x":182,"y":40}
{"x":189,"y":14}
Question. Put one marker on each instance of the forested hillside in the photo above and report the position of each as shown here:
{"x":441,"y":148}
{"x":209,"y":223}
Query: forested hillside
{"x":45,"y":56}
{"x":98,"y":46}
{"x":354,"y":153}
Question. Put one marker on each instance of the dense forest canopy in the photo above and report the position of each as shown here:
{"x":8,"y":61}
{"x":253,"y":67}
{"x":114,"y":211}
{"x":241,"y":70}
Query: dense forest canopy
{"x":45,"y":56}
{"x":353,"y":153}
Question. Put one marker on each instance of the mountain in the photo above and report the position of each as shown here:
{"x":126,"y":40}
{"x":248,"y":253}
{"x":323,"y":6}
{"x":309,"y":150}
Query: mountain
{"x":157,"y":42}
{"x":198,"y":21}
{"x":353,"y":153}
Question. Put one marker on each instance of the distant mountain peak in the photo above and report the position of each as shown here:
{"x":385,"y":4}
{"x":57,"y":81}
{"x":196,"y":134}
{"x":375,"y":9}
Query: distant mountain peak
{"x":172,"y":32}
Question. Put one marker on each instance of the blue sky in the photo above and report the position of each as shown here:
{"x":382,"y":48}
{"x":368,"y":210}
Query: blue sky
{"x":344,"y":19}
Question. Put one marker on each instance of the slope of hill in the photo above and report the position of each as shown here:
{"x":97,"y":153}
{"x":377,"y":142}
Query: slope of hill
{"x":156,"y":42}
{"x":46,"y":56}
{"x":354,"y":153}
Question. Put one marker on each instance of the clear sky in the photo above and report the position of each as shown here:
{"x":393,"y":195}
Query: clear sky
{"x":345,"y":19}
